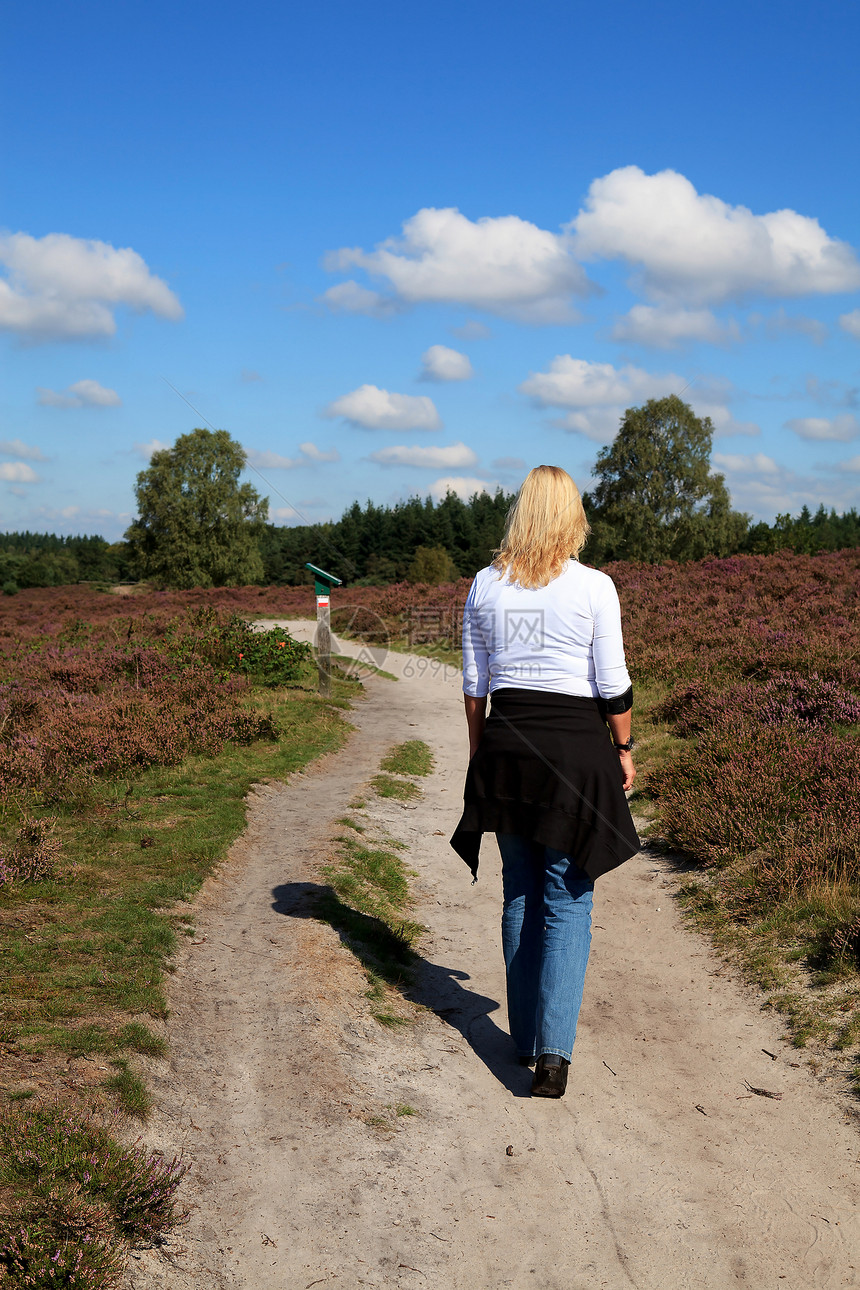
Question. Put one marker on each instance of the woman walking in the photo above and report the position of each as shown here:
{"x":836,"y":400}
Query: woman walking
{"x":542,"y":636}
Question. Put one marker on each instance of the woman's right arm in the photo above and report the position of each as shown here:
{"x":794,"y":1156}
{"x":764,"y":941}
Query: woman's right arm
{"x":476,"y":671}
{"x":476,"y":715}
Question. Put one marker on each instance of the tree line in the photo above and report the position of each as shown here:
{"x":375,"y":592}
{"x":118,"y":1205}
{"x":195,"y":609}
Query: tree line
{"x":655,"y":499}
{"x":48,"y":560}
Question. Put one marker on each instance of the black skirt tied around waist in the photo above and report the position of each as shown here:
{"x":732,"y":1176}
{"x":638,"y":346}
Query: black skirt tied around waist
{"x":546,"y":769}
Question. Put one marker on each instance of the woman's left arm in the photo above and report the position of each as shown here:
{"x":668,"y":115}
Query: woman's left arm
{"x":613,"y":679}
{"x":610,"y":668}
{"x":619,"y":727}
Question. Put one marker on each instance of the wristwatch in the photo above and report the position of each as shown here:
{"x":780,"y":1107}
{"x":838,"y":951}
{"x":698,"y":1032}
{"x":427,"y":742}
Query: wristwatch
{"x":628,"y":747}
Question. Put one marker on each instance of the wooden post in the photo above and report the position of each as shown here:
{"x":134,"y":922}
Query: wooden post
{"x":324,"y":644}
{"x":323,"y":583}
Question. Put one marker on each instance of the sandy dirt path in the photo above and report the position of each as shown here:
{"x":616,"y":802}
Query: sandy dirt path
{"x":657,"y":1171}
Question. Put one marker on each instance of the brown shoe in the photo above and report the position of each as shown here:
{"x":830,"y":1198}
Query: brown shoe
{"x":550,"y":1077}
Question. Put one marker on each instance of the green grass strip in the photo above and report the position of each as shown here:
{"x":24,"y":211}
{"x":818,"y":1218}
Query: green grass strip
{"x":402,"y":790}
{"x":83,"y":953}
{"x":367,"y":902}
{"x":412,"y":758}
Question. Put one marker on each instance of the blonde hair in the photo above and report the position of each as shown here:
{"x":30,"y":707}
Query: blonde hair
{"x":546,"y":526}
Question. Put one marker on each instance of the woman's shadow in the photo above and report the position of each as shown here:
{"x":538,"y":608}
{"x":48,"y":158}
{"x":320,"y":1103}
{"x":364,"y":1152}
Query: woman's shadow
{"x":432,"y":985}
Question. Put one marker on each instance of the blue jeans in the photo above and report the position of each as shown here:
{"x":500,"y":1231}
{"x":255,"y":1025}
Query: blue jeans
{"x":546,"y":936}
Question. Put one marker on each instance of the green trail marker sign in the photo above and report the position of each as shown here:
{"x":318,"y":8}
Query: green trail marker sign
{"x":323,"y":583}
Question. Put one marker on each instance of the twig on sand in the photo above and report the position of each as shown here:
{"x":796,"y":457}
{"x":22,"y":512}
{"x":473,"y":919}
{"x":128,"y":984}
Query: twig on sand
{"x":762,"y":1092}
{"x":771,"y":1055}
{"x":611,"y":1071}
{"x":701,"y":1109}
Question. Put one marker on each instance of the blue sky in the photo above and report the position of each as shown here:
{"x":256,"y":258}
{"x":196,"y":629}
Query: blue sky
{"x":396,"y":248}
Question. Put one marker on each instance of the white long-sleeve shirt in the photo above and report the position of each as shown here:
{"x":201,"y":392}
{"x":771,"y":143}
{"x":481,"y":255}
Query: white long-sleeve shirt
{"x":564,"y":637}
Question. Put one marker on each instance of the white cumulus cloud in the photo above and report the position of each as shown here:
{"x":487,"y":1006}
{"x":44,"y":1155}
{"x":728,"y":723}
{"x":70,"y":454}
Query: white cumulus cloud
{"x":503,"y":264}
{"x":851,"y":323}
{"x":18,"y":472}
{"x":471,"y":329}
{"x":462,"y":485}
{"x":17,"y":448}
{"x":757,"y":463}
{"x":455,"y":456}
{"x":578,"y":383}
{"x":60,"y":287}
{"x":83,"y":394}
{"x":313,"y":453}
{"x":267,"y":460}
{"x":760,"y":484}
{"x":377,"y":409}
{"x":781,"y":323}
{"x":81,"y":519}
{"x":724,"y":421}
{"x":697,"y":248}
{"x":839,"y":429}
{"x":832,"y":393}
{"x":594,"y":396}
{"x":148,"y":450}
{"x":352,"y":298}
{"x":668,"y":328}
{"x":443,"y":364}
{"x":308,"y":453}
